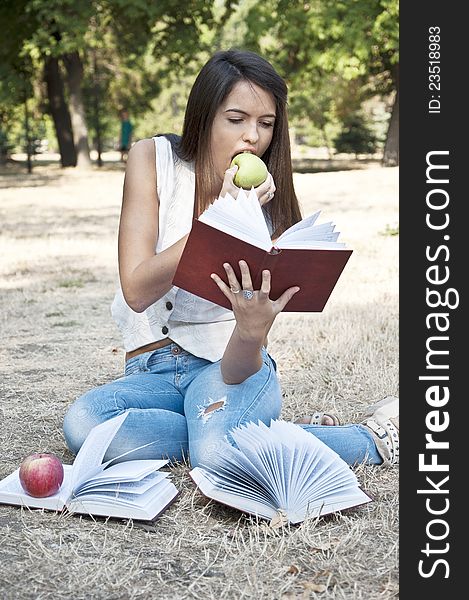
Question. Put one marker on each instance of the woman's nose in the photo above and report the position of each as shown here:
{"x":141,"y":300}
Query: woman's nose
{"x":251,"y":134}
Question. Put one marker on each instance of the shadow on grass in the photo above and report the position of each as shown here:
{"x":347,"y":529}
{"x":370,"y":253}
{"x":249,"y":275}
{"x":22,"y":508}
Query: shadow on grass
{"x":14,"y":174}
{"x":317,"y":165}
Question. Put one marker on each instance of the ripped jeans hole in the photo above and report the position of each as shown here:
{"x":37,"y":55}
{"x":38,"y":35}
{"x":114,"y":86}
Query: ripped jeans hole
{"x":205,"y":412}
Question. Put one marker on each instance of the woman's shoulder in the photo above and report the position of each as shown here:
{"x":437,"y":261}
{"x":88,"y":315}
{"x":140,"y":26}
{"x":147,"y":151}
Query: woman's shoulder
{"x":143,"y":147}
{"x":141,"y":160}
{"x":164,"y":143}
{"x":155,"y":152}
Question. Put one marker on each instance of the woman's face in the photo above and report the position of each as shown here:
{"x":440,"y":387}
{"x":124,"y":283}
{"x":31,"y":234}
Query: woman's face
{"x":243,"y":122}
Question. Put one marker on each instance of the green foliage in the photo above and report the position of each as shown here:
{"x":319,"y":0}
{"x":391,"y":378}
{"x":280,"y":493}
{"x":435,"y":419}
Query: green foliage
{"x":166,"y":113}
{"x":334,"y":55}
{"x":6,"y":146}
{"x":126,"y":48}
{"x":390,"y":230}
{"x":144,"y":55}
{"x":355,"y":137}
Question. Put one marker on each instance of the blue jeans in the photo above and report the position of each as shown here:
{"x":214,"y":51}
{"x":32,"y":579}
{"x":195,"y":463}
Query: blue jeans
{"x":180,"y":402}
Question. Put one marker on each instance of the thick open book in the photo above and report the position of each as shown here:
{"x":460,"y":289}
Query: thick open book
{"x":307,"y":254}
{"x":133,"y":489}
{"x":281,"y":470}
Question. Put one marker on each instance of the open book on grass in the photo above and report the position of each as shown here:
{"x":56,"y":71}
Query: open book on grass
{"x":132,"y":489}
{"x":281,"y":470}
{"x":307,"y":254}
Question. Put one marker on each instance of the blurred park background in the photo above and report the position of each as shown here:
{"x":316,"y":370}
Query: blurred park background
{"x":68,"y":67}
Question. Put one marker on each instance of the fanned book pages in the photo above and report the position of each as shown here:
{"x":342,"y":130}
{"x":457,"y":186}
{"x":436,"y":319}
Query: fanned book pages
{"x":307,"y":254}
{"x":279,"y":471}
{"x":133,"y":489}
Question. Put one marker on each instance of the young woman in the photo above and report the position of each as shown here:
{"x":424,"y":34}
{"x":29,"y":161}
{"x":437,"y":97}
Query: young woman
{"x":194,"y":370}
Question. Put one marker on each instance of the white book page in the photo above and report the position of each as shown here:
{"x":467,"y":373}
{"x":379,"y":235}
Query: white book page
{"x":123,"y":487}
{"x":256,"y":472}
{"x":285,"y":466}
{"x":12,"y":492}
{"x":325,"y":507}
{"x":240,"y":502}
{"x":262,"y":451}
{"x":111,"y":498}
{"x":305,"y":223}
{"x":304,"y":460}
{"x":293,"y":455}
{"x":235,"y":471}
{"x":313,"y":245}
{"x":132,"y":470}
{"x":123,"y":478}
{"x":89,"y":458}
{"x":307,"y":228}
{"x":156,"y":501}
{"x":331,"y":478}
{"x":319,"y":237}
{"x":343,"y":501}
{"x":241,"y":217}
{"x":239,"y":487}
{"x":257,"y":507}
{"x":311,"y":494}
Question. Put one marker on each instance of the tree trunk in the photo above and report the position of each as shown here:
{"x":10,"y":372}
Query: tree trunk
{"x":74,"y":68}
{"x":27,"y":135}
{"x":59,"y":111}
{"x":391,"y":147}
{"x":97,"y":116}
{"x":322,"y":128}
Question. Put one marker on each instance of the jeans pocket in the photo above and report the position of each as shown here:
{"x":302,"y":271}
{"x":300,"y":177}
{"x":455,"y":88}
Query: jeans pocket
{"x":272,"y":362}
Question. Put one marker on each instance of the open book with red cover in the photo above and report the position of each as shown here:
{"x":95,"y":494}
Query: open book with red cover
{"x":305,"y":255}
{"x":279,"y":472}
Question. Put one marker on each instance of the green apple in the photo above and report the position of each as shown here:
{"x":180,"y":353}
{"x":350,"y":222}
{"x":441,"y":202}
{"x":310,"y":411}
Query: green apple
{"x":251,"y":170}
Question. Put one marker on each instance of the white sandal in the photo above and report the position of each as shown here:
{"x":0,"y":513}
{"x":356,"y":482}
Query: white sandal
{"x":382,"y":419}
{"x":317,"y":418}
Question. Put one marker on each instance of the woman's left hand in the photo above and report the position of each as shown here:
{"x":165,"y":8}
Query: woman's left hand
{"x":253,"y":309}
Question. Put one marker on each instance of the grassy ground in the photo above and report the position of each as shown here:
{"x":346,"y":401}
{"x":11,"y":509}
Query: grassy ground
{"x":58,"y":273}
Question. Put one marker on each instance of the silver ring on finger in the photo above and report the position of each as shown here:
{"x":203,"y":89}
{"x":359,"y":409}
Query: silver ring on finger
{"x":235,"y":290}
{"x":248,"y":294}
{"x":270,"y":195}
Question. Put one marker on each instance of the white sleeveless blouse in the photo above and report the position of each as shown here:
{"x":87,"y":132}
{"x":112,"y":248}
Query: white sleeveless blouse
{"x":200,"y":327}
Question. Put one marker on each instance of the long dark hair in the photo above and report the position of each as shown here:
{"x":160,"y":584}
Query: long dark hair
{"x":212,"y":85}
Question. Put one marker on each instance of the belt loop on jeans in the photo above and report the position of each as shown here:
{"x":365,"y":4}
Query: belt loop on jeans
{"x":143,"y":361}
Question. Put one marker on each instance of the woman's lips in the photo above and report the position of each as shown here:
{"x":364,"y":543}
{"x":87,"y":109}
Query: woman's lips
{"x":250,"y":150}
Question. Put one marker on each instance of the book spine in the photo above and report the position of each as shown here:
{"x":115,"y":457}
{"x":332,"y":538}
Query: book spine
{"x":268,"y":263}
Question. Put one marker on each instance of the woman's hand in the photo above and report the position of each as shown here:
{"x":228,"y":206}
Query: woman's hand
{"x":253,"y":309}
{"x":254,"y":312}
{"x":265,"y":192}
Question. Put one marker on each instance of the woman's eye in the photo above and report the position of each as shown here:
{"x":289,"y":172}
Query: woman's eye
{"x":264,"y":124}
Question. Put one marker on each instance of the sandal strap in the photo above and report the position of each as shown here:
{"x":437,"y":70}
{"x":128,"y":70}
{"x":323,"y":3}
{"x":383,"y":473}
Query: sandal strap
{"x":316,"y":418}
{"x":386,"y":436}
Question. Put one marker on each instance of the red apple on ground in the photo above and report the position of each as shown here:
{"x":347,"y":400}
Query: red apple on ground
{"x":41,"y":474}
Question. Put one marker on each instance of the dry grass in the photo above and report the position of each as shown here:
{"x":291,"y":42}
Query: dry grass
{"x":57,"y":279}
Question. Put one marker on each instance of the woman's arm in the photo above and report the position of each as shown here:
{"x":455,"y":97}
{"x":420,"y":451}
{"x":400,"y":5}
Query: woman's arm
{"x":254,"y":318}
{"x":145,"y":277}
